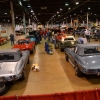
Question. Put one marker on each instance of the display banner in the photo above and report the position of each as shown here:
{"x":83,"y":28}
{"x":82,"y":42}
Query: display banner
{"x":3,"y":31}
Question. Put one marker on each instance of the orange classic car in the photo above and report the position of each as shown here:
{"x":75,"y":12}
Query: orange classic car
{"x":25,"y":44}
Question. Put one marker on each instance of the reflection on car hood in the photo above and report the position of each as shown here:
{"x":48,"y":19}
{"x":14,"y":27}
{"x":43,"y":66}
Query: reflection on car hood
{"x":7,"y":68}
{"x":21,"y":46}
{"x":92,"y":62}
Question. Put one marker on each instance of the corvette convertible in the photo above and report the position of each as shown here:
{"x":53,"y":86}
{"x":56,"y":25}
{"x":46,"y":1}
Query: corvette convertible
{"x":85,"y":58}
{"x":12,"y":67}
{"x":25,"y":44}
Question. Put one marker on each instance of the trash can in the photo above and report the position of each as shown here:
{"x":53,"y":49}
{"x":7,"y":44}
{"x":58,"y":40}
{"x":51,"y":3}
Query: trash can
{"x":46,"y":46}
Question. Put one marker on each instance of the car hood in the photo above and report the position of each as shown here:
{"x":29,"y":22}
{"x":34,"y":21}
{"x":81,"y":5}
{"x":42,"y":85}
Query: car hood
{"x":7,"y":68}
{"x":21,"y":46}
{"x":91,"y":62}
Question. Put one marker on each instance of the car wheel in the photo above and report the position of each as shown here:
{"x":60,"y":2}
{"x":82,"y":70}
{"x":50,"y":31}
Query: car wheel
{"x":28,"y":61}
{"x":3,"y":88}
{"x":61,"y":49}
{"x":23,"y":76}
{"x":31,"y":51}
{"x":78,"y":71}
{"x":67,"y":58}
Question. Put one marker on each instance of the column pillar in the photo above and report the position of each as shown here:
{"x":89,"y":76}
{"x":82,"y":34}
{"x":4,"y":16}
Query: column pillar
{"x":13,"y":21}
{"x":71,"y":22}
{"x":96,"y":21}
{"x":24,"y":23}
{"x":87,"y":20}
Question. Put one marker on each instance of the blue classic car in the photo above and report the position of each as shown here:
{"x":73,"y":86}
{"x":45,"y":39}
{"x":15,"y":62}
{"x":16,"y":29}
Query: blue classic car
{"x":31,"y":37}
{"x":85,"y":58}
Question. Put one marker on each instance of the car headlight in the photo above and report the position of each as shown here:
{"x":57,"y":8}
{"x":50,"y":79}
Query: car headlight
{"x":72,"y":42}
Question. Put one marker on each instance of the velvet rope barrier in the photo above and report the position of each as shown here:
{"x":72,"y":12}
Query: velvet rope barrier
{"x":77,"y":95}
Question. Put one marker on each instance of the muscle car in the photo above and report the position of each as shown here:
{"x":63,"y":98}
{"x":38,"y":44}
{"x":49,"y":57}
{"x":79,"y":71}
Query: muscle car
{"x":85,"y":58}
{"x":68,"y":41}
{"x":25,"y":44}
{"x":12,"y":66}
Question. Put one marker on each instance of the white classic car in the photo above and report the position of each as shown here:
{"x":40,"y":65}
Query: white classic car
{"x":12,"y":66}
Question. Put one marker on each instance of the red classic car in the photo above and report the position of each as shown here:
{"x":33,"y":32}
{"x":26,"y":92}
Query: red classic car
{"x":2,"y":40}
{"x":25,"y":44}
{"x":60,"y":36}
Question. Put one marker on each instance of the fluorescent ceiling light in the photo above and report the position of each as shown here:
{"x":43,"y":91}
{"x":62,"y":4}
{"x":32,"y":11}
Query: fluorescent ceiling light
{"x":66,"y":4}
{"x":77,"y":3}
{"x":69,"y":8}
{"x":5,"y":13}
{"x":89,"y":8}
{"x":28,"y":6}
{"x":31,"y":10}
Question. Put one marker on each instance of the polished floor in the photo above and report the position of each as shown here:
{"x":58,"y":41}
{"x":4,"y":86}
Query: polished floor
{"x":55,"y":75}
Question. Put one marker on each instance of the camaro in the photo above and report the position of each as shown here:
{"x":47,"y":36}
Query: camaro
{"x":25,"y":44}
{"x":12,"y":66}
{"x":85,"y":58}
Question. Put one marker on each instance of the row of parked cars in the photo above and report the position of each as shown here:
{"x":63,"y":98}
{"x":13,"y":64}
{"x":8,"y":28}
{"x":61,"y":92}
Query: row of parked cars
{"x":13,"y":61}
{"x":85,"y":58}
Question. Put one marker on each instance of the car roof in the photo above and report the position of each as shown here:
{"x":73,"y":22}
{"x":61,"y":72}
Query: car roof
{"x":9,"y":50}
{"x":88,"y":45}
{"x":70,"y":37}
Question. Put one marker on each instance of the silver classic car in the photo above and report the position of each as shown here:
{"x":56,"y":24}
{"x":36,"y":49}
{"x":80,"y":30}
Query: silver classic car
{"x":12,"y":66}
{"x":85,"y":58}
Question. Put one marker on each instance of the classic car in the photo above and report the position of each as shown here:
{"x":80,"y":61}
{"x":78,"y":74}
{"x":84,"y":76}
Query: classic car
{"x":85,"y":58}
{"x":12,"y":66}
{"x":31,"y":37}
{"x":3,"y":40}
{"x":68,"y":41}
{"x":25,"y":44}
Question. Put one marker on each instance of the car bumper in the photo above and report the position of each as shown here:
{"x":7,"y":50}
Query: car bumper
{"x":91,"y":71}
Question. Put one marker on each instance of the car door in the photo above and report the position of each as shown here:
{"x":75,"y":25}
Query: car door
{"x":72,"y":54}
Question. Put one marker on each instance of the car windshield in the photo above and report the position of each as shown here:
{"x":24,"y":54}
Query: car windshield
{"x":30,"y":36}
{"x":68,"y":39}
{"x":23,"y":41}
{"x":92,"y":50}
{"x":4,"y":57}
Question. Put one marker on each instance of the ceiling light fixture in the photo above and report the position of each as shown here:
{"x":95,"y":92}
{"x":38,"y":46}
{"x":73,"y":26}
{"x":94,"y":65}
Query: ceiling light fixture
{"x":61,"y":9}
{"x":66,"y":4}
{"x":5,"y":13}
{"x":57,"y":12}
{"x":28,"y":6}
{"x":77,"y":3}
{"x":89,"y":8}
{"x":69,"y":8}
{"x":31,"y":10}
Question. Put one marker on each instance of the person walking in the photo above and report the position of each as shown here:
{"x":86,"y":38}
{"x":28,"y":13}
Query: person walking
{"x":12,"y":38}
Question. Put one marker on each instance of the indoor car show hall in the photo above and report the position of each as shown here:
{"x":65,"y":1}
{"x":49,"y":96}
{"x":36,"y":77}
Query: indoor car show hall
{"x":49,"y":50}
{"x":55,"y":75}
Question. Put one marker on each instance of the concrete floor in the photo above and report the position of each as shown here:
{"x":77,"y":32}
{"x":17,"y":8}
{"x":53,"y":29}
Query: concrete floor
{"x":55,"y":75}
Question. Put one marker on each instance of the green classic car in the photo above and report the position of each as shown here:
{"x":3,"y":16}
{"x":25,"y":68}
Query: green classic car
{"x":69,"y":41}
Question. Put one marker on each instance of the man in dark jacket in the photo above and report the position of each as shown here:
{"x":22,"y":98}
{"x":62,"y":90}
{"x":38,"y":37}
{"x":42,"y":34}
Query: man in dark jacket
{"x":12,"y":38}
